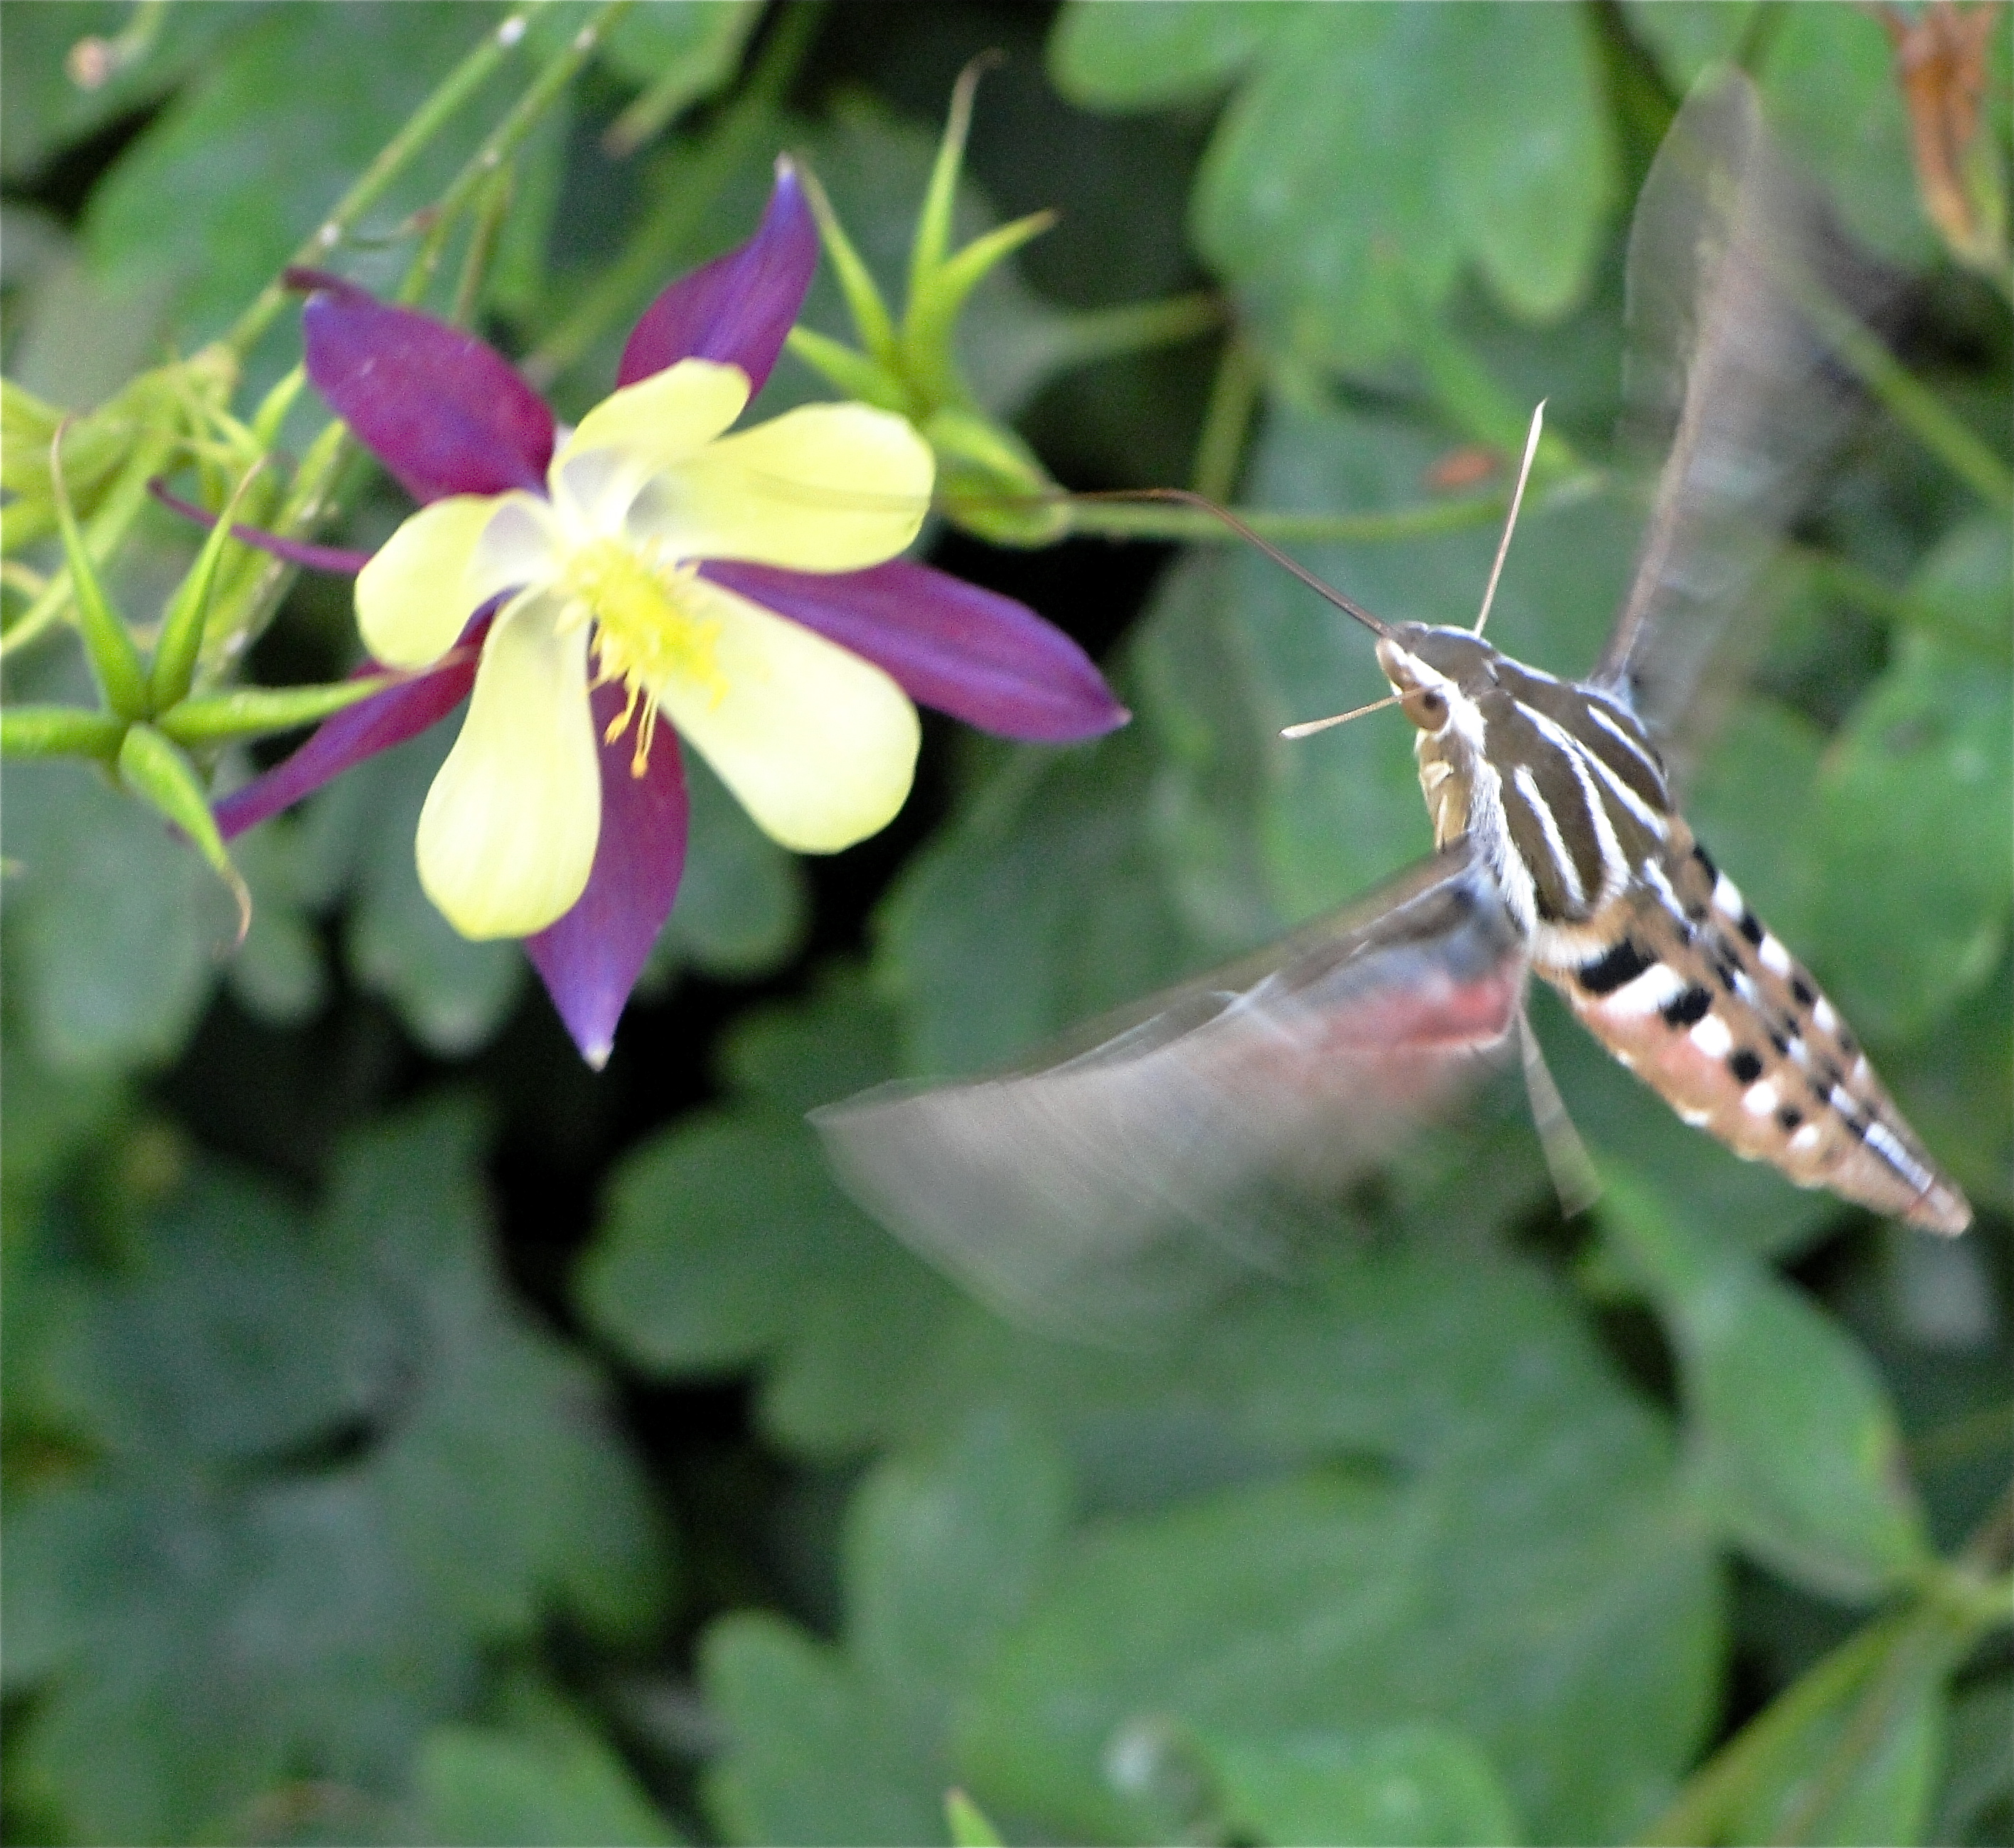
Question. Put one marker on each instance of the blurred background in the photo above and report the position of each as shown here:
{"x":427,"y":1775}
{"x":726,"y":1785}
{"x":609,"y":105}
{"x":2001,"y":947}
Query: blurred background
{"x":410,"y":1434}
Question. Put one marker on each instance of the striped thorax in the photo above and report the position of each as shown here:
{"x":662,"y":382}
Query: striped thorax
{"x":1564,"y":798}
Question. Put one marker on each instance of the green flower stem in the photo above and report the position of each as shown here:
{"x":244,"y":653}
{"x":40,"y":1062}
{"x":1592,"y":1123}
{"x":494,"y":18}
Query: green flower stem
{"x":1909,"y":401}
{"x":58,"y":731}
{"x":1098,"y":334}
{"x":256,"y":712}
{"x":1227,"y":421}
{"x":748,"y":120}
{"x":1832,"y":575}
{"x":680,"y":82}
{"x":426,"y":122}
{"x":538,"y":97}
{"x":154,"y":769}
{"x":1700,"y":1812}
{"x":1116,"y":520}
{"x":490,"y":212}
{"x":237,"y":619}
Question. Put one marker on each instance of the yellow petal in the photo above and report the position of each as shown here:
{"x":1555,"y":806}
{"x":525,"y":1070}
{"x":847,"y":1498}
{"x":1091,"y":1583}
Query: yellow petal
{"x":819,"y":745}
{"x":411,"y":602}
{"x":656,"y":421}
{"x":826,"y":487}
{"x":508,"y":834}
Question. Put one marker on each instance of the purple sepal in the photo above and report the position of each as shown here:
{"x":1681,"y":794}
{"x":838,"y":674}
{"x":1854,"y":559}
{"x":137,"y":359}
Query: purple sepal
{"x":357,"y":732}
{"x":444,"y":412}
{"x":737,"y":309}
{"x":981,"y":656}
{"x":590,"y":959}
{"x":334,"y":558}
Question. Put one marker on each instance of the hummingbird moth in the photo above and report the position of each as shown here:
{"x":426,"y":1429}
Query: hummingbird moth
{"x":1560,"y":852}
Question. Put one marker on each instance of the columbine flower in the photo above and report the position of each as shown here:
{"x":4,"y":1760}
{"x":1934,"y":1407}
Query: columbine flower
{"x":650,"y":575}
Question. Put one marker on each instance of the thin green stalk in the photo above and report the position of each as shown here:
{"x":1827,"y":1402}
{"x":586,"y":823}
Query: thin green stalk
{"x":1116,"y":520}
{"x":1227,"y":420}
{"x":1912,"y":403}
{"x":1836,"y":577}
{"x":539,"y":96}
{"x":426,"y":122}
{"x":1138,"y":327}
{"x":489,"y":215}
{"x":664,"y":233}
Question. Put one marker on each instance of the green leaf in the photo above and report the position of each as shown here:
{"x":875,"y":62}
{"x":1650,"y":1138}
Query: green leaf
{"x":545,"y":1776}
{"x":112,"y":922}
{"x":1916,"y":807}
{"x":333,"y":1466}
{"x":1801,"y":1454}
{"x":1138,"y":57}
{"x":811,"y":1758}
{"x":941,"y":1551}
{"x":725,"y":1241}
{"x":1418,"y":1784}
{"x":1370,"y":153}
{"x":1352,"y":1597}
{"x":244,"y":171}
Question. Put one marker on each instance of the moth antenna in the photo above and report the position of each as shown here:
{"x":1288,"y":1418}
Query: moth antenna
{"x":1308,"y":727}
{"x":1567,"y":1158}
{"x":1517,"y":500}
{"x":1184,"y":496}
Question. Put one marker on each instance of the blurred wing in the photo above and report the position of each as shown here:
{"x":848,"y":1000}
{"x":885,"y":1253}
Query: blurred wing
{"x":1728,"y":382}
{"x":1110,"y":1187}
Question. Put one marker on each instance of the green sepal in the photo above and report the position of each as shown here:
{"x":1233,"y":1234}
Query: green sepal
{"x":933,"y":239}
{"x":154,"y":769}
{"x":113,"y":658}
{"x":871,"y":318}
{"x":853,"y":373}
{"x":931,"y":318}
{"x":254,"y":712}
{"x":59,"y":731}
{"x":181,"y":627}
{"x":273,"y":408}
{"x":990,"y":482}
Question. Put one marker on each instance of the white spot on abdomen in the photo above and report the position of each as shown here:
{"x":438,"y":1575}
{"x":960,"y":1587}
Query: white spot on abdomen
{"x":1712,"y":1038}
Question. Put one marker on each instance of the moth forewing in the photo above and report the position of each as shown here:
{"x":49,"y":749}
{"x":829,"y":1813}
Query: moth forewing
{"x":1107,"y":1189}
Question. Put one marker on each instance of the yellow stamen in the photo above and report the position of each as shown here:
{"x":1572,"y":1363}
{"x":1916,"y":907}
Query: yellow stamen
{"x":646,"y":632}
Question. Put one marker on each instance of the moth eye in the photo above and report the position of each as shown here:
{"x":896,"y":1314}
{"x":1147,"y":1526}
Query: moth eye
{"x":1426,"y":709}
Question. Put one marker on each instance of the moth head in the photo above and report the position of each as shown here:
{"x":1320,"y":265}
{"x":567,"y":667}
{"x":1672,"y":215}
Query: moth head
{"x":1437,"y":673}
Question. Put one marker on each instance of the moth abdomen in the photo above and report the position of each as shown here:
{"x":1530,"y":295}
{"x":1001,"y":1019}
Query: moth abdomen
{"x":1688,"y":987}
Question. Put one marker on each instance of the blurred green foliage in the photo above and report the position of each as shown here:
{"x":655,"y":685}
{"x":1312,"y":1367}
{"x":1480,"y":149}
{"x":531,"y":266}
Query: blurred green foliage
{"x":409,"y":1437}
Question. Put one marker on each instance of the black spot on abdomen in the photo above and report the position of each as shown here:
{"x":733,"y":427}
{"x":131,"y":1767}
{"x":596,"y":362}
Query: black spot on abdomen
{"x":1615,"y":968}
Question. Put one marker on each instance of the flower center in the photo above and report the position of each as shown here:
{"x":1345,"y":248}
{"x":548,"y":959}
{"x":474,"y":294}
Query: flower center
{"x":647,"y":631}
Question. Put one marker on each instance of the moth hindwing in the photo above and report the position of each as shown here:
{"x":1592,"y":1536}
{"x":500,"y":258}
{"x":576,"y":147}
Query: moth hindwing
{"x":1560,"y":850}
